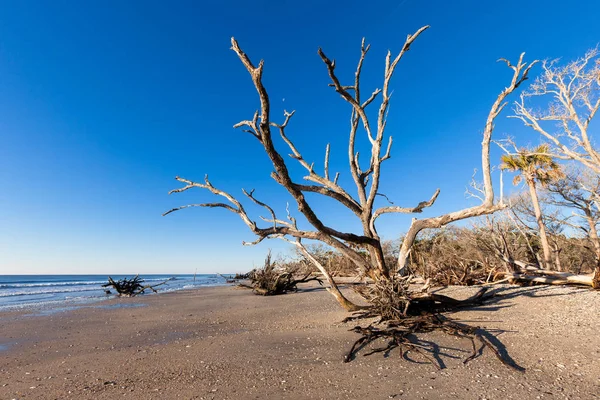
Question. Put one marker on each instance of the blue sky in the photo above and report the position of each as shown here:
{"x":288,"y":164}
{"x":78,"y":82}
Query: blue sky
{"x":102,"y":104}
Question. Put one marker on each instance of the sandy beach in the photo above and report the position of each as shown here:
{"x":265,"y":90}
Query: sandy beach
{"x":225,"y":343}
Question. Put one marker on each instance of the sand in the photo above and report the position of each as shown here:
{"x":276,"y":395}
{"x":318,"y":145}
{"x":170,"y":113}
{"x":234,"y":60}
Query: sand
{"x":225,"y":343}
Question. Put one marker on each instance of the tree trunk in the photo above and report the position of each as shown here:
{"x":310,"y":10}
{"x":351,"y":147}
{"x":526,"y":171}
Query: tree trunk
{"x":557,"y":262}
{"x":333,"y":288}
{"x":405,"y":250}
{"x":586,"y":280}
{"x":379,"y":267}
{"x":593,"y":234}
{"x":540,"y":222}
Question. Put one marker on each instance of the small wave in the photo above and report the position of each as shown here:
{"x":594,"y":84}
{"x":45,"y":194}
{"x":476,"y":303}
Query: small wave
{"x":26,"y":285}
{"x":189,"y":286}
{"x":70,"y":283}
{"x":38,"y":292}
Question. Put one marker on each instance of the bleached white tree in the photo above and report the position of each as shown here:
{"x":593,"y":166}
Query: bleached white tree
{"x":366,"y":176}
{"x":561,"y":104}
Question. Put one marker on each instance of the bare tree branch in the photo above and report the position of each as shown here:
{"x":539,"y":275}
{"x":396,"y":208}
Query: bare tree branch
{"x":520,"y":74}
{"x":352,"y":246}
{"x":281,"y":171}
{"x":574,"y":99}
{"x":406,"y":210}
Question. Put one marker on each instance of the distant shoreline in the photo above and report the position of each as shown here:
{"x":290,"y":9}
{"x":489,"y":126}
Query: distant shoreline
{"x":48,"y":292}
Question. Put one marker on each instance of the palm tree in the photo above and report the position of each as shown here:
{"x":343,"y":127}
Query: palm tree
{"x":536,"y":167}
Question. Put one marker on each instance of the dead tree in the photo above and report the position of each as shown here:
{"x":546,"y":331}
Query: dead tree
{"x":230,"y":279}
{"x":366,"y":177}
{"x":533,"y":275}
{"x":487,"y":206}
{"x":512,"y":240}
{"x":574,"y":191}
{"x":131,"y":287}
{"x":271,"y":279}
{"x":572,"y":93}
{"x":572,"y":96}
{"x":578,"y":191}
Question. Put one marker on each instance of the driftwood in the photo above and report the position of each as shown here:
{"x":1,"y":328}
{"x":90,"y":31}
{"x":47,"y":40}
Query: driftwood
{"x":132,"y":287}
{"x":247,"y":275}
{"x":403,"y":313}
{"x":537,"y":275}
{"x":526,"y":273}
{"x":283,"y":283}
{"x":229,"y":279}
{"x":272,"y":279}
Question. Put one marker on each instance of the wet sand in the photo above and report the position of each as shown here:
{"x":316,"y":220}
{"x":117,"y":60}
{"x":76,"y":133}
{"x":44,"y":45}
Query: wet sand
{"x":225,"y":343}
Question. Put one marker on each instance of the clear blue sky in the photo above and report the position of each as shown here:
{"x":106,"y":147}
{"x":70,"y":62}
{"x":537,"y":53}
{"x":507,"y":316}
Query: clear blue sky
{"x":102,"y":104}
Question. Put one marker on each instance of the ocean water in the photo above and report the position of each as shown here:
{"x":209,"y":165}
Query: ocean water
{"x":30,"y":291}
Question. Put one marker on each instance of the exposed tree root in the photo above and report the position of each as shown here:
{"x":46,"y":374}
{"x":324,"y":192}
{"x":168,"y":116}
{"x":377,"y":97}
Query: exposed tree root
{"x":404,"y":314}
{"x":401,"y":334}
{"x":272,"y":279}
{"x":414,"y":304}
{"x":282,"y":283}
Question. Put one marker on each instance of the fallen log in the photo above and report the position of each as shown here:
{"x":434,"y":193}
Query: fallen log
{"x":228,"y":279}
{"x":547,"y":278}
{"x":531,"y":274}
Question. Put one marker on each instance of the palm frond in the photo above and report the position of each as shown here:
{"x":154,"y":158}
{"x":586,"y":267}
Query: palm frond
{"x":537,"y":164}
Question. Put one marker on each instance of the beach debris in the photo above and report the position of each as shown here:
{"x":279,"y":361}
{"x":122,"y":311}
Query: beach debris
{"x":240,"y":277}
{"x":229,"y":279}
{"x":131,"y":287}
{"x":530,"y":274}
{"x":272,"y":279}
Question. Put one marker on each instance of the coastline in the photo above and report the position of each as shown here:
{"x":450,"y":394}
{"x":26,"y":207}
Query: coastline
{"x":225,"y":343}
{"x":51,"y":293}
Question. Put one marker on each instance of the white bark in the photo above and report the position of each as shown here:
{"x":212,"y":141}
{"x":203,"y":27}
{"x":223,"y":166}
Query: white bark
{"x":573,"y":94}
{"x":567,"y":279}
{"x":333,"y":287}
{"x":520,"y":74}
